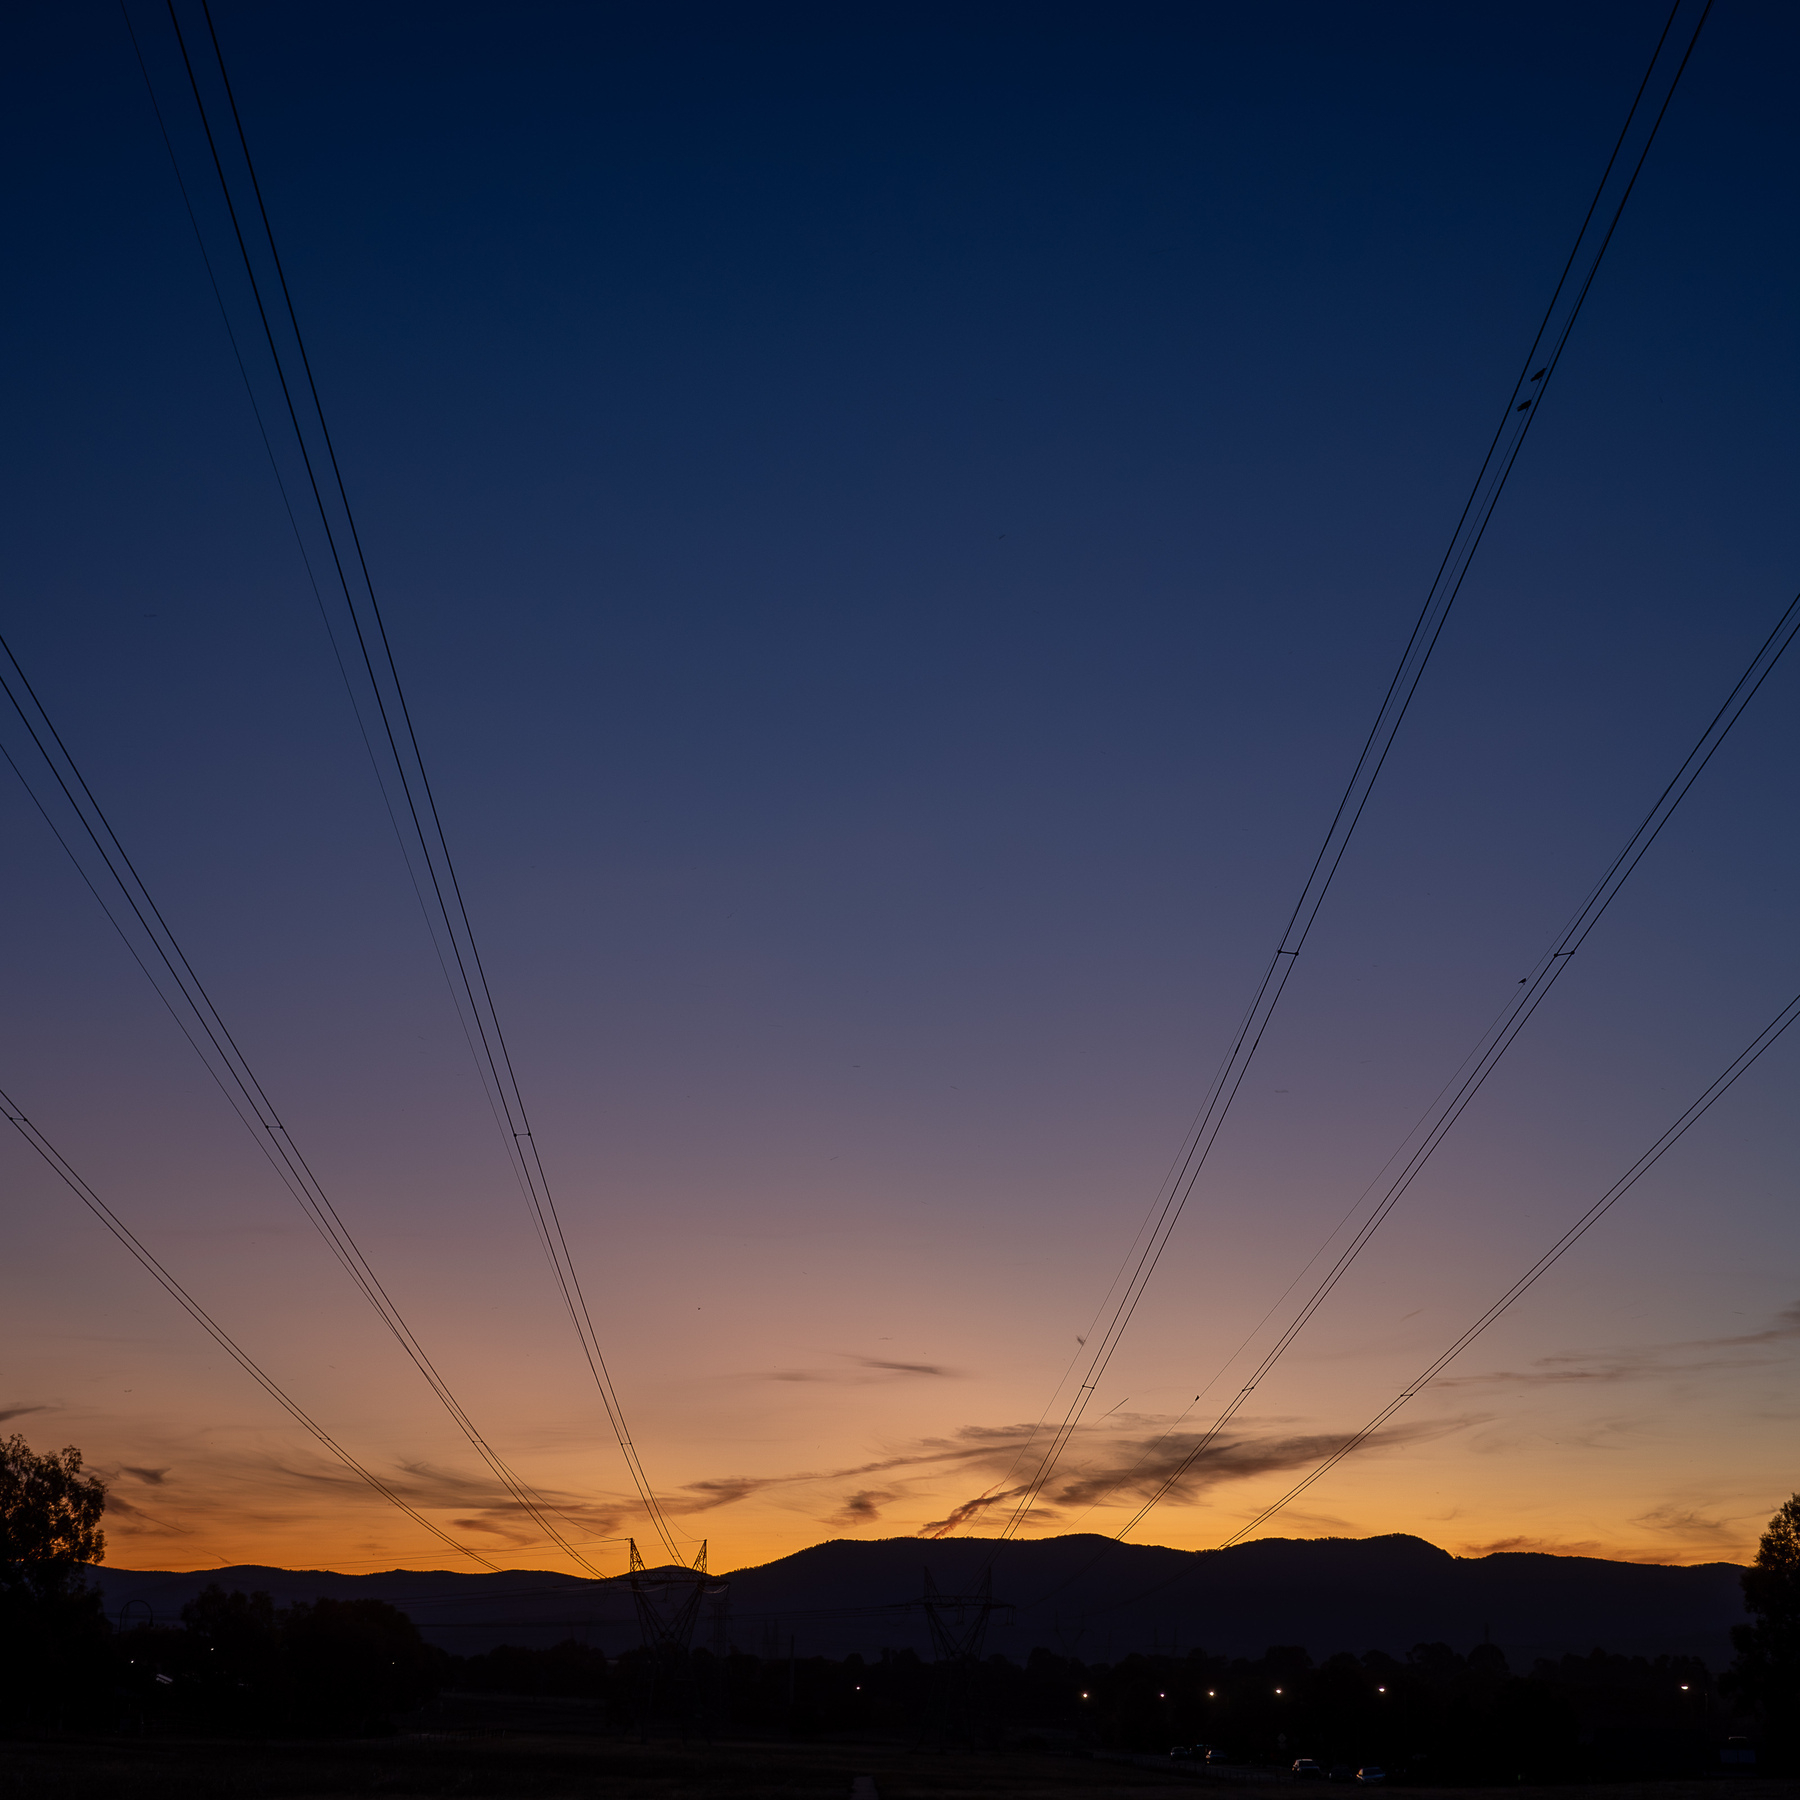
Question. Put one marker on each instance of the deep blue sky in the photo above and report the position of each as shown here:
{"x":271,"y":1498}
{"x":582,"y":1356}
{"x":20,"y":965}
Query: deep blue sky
{"x":895,"y":521}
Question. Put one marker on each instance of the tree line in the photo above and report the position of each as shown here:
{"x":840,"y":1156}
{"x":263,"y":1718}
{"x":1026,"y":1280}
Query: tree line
{"x":238,"y":1666}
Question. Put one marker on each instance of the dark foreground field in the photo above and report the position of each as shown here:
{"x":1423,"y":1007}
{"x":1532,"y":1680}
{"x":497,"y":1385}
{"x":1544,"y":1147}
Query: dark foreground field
{"x":611,"y":1770}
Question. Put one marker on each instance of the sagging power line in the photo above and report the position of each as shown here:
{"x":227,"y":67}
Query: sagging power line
{"x":1618,"y":180}
{"x":71,"y":1179}
{"x":151,"y":943}
{"x":400,"y":766}
{"x":1739,"y":1066}
{"x":1533,"y":990}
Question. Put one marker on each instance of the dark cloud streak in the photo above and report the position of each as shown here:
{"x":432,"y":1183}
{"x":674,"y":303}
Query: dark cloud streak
{"x":1643,"y":1362}
{"x":863,"y":1370}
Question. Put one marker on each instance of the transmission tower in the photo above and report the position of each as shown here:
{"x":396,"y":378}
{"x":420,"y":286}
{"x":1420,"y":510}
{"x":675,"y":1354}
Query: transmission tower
{"x":668,"y":1601}
{"x":958,"y":1624}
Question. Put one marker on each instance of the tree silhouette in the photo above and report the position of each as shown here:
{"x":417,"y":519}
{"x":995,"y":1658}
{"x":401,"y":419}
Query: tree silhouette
{"x":53,"y":1637}
{"x":352,"y":1664}
{"x":49,"y":1517}
{"x":1767,"y":1670}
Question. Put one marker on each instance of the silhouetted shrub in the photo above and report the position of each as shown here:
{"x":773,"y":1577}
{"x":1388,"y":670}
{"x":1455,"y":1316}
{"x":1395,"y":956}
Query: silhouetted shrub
{"x":240,"y":1668}
{"x":1766,"y":1673}
{"x":55,"y":1662}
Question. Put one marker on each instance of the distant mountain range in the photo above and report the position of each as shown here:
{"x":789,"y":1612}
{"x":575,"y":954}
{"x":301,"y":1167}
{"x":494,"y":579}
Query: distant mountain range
{"x":1081,"y":1595}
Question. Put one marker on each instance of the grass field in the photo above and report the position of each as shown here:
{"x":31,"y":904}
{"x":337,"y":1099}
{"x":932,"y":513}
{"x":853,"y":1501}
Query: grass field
{"x":610,"y":1769}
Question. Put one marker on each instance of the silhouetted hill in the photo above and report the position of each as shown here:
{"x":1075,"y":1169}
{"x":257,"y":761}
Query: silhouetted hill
{"x":1081,"y":1595}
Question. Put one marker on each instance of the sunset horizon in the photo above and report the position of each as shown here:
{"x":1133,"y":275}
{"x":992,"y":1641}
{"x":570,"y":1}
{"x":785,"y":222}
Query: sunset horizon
{"x":783,"y":776}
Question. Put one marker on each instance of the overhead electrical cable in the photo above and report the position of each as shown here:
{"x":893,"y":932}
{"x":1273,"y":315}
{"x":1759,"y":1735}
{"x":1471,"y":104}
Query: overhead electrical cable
{"x":349,"y":563}
{"x":1531,"y":993}
{"x":1250,"y":1336}
{"x":1471,"y":1073}
{"x":306,"y":561}
{"x":242,"y":1091}
{"x":71,"y":1179}
{"x":440,"y":873}
{"x":1739,"y":1066}
{"x":1350,"y":1212}
{"x":200,"y":1022}
{"x":1601,"y":221}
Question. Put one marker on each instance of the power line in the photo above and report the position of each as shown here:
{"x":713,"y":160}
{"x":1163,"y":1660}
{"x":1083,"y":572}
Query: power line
{"x":1475,"y":1068}
{"x":1522,"y":406}
{"x":1532,"y":992}
{"x":1350,"y":1212}
{"x":1534,"y":989}
{"x":72,"y":1180}
{"x":287,"y":504}
{"x":350,"y":566}
{"x":306,"y":560}
{"x":202,"y":1024}
{"x":1739,"y":1066}
{"x":212,"y":1041}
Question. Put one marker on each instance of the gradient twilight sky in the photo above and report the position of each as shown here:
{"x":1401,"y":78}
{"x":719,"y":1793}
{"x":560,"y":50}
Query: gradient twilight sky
{"x":895,"y":520}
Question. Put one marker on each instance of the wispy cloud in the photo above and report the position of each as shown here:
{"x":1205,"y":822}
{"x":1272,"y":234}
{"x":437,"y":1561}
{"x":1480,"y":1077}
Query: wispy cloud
{"x":279,"y":1490}
{"x":1124,"y":1460}
{"x":1640,"y":1362}
{"x":1124,"y":1468}
{"x":19,"y":1412}
{"x":861,"y":1370}
{"x":1539,"y":1546}
{"x":863,"y":1507}
{"x":491,"y":1527}
{"x":1690,"y":1526}
{"x":970,"y":1512}
{"x":962,"y":1480}
{"x":1677,"y":1530}
{"x":723,"y":1490}
{"x":118,"y":1507}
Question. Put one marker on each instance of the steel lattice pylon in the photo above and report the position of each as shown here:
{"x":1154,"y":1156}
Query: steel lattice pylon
{"x":959,"y":1622}
{"x":668,"y":1601}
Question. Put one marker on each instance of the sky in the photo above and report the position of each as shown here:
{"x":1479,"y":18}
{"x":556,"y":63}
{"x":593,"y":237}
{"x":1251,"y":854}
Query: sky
{"x":894,"y":522}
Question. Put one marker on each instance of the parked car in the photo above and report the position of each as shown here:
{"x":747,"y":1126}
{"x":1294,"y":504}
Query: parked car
{"x":1371,"y":1774}
{"x":1305,"y":1769}
{"x":1187,"y":1752}
{"x":1342,"y":1772}
{"x":1215,"y":1758}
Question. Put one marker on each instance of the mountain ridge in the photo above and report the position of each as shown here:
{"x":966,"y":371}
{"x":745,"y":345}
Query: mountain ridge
{"x":1080,"y":1595}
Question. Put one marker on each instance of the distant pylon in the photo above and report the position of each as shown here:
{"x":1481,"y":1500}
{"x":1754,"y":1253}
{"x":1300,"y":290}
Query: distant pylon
{"x":668,"y":1600}
{"x":959,"y":1622}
